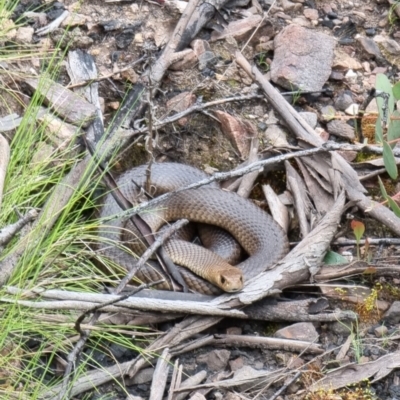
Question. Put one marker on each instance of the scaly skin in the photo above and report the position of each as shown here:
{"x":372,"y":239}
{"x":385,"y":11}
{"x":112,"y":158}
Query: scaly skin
{"x":260,"y":236}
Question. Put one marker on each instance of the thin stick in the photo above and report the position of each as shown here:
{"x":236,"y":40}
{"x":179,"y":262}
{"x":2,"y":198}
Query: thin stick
{"x":193,"y":109}
{"x":149,"y":252}
{"x":286,"y":385}
{"x":8,"y":232}
{"x":221,"y":176}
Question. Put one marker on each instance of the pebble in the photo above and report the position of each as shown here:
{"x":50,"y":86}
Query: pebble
{"x":343,"y":100}
{"x":381,"y":331}
{"x":301,"y":331}
{"x":352,"y":109}
{"x":327,"y":113}
{"x":351,"y":75}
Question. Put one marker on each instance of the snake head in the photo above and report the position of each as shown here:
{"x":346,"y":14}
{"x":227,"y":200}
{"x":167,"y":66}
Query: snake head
{"x":230,"y":280}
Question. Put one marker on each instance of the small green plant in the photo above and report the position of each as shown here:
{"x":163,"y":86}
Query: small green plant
{"x":358,"y":230}
{"x":261,"y":60}
{"x":388,"y":118}
{"x":389,"y":199}
{"x":392,"y":16}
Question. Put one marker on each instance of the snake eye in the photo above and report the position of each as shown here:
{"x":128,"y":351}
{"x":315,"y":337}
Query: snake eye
{"x":223,"y":280}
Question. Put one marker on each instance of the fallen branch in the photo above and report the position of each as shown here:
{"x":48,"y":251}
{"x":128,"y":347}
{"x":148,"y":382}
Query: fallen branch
{"x":353,"y":373}
{"x":160,"y":376}
{"x":8,"y":232}
{"x":257,"y":342}
{"x":161,"y":238}
{"x":354,"y":190}
{"x":84,"y":334}
{"x":327,"y":272}
{"x":221,"y":176}
{"x":301,"y":263}
{"x":68,"y":300}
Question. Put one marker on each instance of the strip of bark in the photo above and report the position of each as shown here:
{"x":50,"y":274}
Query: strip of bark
{"x":281,"y":311}
{"x":354,"y":190}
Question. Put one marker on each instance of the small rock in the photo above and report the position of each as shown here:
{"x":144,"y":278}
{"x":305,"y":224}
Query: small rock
{"x":351,"y":76}
{"x":349,"y":155}
{"x":310,"y":117}
{"x":311,"y":14}
{"x":369,"y":46}
{"x":300,"y":331}
{"x":234,"y":330}
{"x":187,"y":62}
{"x":392,"y":316}
{"x":384,"y":20}
{"x":262,"y":126}
{"x":302,"y":58}
{"x":240,"y":29}
{"x":352,"y":109}
{"x":276,"y":136}
{"x":370,"y":31}
{"x":343,"y":101}
{"x":328,"y":23}
{"x":288,"y":6}
{"x":180,"y":103}
{"x":327,"y":113}
{"x":24,"y":35}
{"x":236,"y":364}
{"x":341,"y":129}
{"x":238,"y":131}
{"x":207,"y":59}
{"x":130,"y":75}
{"x":327,"y":8}
{"x":336,"y":76}
{"x":200,"y":46}
{"x":272,"y":119}
{"x":43,"y":154}
{"x":216,"y":360}
{"x":301,"y":22}
{"x":367,"y":67}
{"x":344,"y":61}
{"x":390,"y":45}
{"x":341,"y":327}
{"x":381,"y":331}
{"x":74,"y":19}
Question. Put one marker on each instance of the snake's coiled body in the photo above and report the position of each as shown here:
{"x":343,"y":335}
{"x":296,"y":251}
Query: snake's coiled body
{"x":259,"y":235}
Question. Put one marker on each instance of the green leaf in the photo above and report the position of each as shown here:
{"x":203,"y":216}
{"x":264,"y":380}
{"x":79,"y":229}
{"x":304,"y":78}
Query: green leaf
{"x":394,"y":128}
{"x":378,"y":130}
{"x":383,"y":84}
{"x":383,"y":190}
{"x":389,"y":161}
{"x":393,"y":205}
{"x":332,"y":258}
{"x":396,"y":91}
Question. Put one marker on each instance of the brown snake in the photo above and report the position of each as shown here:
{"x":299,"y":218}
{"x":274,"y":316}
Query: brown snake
{"x":259,"y":235}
